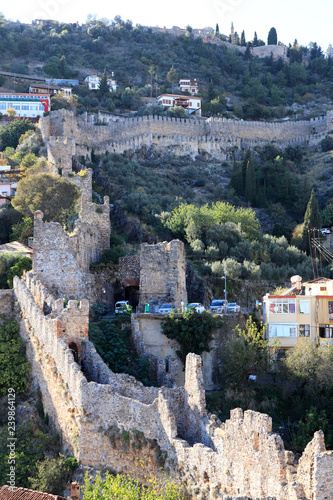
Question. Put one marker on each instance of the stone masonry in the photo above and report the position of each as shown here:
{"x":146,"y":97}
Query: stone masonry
{"x":169,"y":426}
{"x":162,"y":274}
{"x":66,"y":135}
{"x":111,"y":420}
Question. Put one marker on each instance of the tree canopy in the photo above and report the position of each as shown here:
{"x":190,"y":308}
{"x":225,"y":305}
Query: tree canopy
{"x":54,"y":195}
{"x":10,"y":135}
{"x":272,"y":37}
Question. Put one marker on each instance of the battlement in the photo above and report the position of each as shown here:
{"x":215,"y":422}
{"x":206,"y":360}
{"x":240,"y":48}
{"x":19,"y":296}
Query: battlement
{"x":240,"y":457}
{"x":68,"y":135}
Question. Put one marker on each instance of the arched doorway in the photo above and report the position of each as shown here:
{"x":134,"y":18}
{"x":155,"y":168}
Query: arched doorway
{"x":73,"y":347}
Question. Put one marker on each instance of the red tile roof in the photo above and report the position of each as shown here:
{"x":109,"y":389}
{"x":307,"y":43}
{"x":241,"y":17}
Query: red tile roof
{"x":13,"y":493}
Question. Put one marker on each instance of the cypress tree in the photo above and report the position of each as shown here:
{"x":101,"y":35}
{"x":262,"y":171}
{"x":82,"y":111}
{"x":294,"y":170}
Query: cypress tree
{"x":250,"y":182}
{"x":243,"y":41}
{"x":103,"y":85}
{"x":272,"y":37}
{"x":236,"y":180}
{"x":312,"y":220}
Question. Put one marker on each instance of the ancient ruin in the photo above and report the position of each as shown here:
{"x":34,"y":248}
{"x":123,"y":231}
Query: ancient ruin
{"x":127,"y":422}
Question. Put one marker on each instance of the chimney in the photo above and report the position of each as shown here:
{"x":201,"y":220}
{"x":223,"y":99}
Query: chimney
{"x":75,"y":491}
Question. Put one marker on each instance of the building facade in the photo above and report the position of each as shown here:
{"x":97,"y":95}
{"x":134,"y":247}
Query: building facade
{"x":188,"y":85}
{"x":192,"y":105}
{"x":305,"y":310}
{"x":50,"y":89}
{"x":93,"y":82}
{"x":25,"y":105}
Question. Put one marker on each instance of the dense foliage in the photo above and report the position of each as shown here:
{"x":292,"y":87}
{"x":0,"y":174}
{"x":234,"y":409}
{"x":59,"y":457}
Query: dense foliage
{"x":111,"y":337}
{"x":193,"y":331}
{"x":148,"y":63}
{"x":14,"y":368}
{"x":53,"y":195}
{"x":122,"y":487}
{"x":52,"y":474}
{"x":296,"y":392}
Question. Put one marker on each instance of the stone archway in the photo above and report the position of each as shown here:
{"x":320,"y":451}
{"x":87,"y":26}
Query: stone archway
{"x":75,"y":350}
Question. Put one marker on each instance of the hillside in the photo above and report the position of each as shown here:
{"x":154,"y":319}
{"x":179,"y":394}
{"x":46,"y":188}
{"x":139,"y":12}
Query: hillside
{"x":230,"y":82}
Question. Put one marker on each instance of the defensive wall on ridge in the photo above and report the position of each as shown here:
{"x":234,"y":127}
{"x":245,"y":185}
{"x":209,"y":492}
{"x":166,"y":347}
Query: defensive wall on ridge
{"x":127,"y":422}
{"x":67,"y":135}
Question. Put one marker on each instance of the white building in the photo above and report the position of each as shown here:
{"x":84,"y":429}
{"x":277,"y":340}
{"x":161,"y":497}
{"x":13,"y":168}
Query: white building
{"x":8,"y":182}
{"x":26,"y":105}
{"x":192,"y":105}
{"x":93,"y":82}
{"x":187,"y":85}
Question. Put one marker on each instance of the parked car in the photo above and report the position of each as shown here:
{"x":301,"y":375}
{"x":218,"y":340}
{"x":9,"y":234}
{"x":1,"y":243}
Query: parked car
{"x":233,"y":307}
{"x":196,"y":306}
{"x":165,"y":309}
{"x":217,"y":306}
{"x":122,"y":306}
{"x":325,"y":230}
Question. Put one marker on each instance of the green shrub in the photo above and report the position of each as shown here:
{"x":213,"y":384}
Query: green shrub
{"x":14,"y":368}
{"x":192,"y":330}
{"x":52,"y":474}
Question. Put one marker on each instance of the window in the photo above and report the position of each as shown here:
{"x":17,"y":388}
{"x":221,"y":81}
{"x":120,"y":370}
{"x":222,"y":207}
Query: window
{"x":3,"y":105}
{"x":282,"y":330}
{"x":34,"y":107}
{"x":282,"y":306}
{"x":330,"y":310}
{"x":325,"y":331}
{"x":25,"y":106}
{"x":323,"y":288}
{"x":304,"y":330}
{"x":198,"y":104}
{"x":304,"y":306}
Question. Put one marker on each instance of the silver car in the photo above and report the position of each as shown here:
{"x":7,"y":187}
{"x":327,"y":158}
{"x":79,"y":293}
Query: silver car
{"x":165,"y":309}
{"x":196,"y":306}
{"x":217,"y":306}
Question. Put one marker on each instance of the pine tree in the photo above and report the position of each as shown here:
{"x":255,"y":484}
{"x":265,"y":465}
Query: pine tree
{"x":312,"y":220}
{"x":272,"y":37}
{"x":172,"y":77}
{"x":250,"y":182}
{"x":103,"y":85}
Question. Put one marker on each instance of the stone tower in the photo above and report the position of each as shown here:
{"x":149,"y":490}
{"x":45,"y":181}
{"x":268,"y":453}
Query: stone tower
{"x":162,"y":274}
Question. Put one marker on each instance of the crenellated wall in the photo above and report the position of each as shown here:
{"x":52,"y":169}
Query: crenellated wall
{"x":169,"y":426}
{"x":67,"y":135}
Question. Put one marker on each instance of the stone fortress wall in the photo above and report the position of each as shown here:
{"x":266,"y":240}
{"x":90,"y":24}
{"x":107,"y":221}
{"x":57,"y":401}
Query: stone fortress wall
{"x":218,"y":137}
{"x":125,"y":420}
{"x":112,"y":420}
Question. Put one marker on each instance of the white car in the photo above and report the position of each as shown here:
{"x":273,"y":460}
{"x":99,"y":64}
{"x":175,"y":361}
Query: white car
{"x":233,"y":307}
{"x":196,"y":306}
{"x":122,"y":306}
{"x":325,"y":230}
{"x":165,"y":309}
{"x":217,"y":306}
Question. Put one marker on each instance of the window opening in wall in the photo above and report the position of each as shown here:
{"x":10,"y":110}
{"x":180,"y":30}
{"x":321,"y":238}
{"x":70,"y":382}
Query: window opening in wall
{"x":75,"y":351}
{"x":304,"y":330}
{"x":330,"y":310}
{"x":326,"y":331}
{"x":304,"y":306}
{"x":167,"y":366}
{"x":282,"y":306}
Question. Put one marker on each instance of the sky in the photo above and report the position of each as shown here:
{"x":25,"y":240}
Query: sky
{"x":305,"y":20}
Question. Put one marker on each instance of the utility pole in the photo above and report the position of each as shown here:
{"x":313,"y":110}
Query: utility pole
{"x":225,"y":286}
